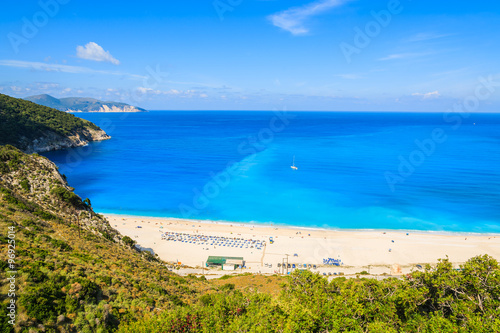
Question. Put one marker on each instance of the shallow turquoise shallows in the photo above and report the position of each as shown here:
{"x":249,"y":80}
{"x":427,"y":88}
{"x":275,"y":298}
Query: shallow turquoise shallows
{"x":437,"y":172}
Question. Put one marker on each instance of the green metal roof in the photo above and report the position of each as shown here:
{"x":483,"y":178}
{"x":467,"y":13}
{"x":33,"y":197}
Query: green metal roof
{"x":218,"y":260}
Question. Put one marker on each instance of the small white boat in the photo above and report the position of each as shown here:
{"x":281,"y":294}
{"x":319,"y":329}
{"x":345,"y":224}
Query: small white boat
{"x":293,"y":164}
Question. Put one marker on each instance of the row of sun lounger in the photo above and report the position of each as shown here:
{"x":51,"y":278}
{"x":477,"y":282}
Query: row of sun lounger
{"x":213,"y":240}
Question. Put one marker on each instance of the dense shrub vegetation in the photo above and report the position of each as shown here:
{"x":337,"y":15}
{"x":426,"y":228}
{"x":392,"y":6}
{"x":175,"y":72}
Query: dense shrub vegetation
{"x":128,"y":241}
{"x":67,"y":196}
{"x":439,"y":299}
{"x":72,"y":275}
{"x":22,"y":119}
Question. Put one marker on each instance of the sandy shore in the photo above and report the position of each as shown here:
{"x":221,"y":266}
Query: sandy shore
{"x":377,"y":252}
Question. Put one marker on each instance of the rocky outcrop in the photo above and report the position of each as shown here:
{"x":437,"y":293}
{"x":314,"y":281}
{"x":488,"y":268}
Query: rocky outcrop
{"x":34,"y":178}
{"x":53,"y":141}
{"x":113,"y":108}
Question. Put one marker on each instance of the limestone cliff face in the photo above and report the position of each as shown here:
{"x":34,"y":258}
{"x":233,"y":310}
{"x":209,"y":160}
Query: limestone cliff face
{"x":53,"y":141}
{"x":34,"y":177}
{"x":41,"y":173}
{"x":113,"y":108}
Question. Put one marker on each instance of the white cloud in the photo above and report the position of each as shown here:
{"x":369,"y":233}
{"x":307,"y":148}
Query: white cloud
{"x":393,"y":56}
{"x":93,"y":51}
{"x":293,"y":19}
{"x":426,"y":36}
{"x":350,"y":76}
{"x":403,"y":56}
{"x":44,"y":67}
{"x":40,"y":66}
{"x":144,"y":90}
{"x":46,"y":85}
{"x":452,"y":72}
{"x":429,"y":95}
{"x":203,"y":95}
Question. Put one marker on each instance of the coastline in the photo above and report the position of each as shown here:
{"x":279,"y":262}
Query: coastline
{"x":379,"y":252}
{"x":285,"y":226}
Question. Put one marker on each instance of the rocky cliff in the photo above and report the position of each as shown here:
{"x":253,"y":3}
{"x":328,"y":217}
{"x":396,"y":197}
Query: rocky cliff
{"x":53,"y":141}
{"x":36,"y":179}
{"x":36,"y":128}
{"x":112,"y":108}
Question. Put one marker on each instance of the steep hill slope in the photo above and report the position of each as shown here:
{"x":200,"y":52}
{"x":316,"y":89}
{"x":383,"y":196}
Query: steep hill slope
{"x":37,"y":128}
{"x":74,"y":273}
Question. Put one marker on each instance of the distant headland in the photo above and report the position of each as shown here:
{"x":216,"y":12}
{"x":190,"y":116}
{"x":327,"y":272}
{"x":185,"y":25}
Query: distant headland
{"x":82,"y":104}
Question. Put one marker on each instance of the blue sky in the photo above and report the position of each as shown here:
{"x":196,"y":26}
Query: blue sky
{"x":254,"y":55}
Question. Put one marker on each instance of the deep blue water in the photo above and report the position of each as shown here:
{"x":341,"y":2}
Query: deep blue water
{"x":355,"y":170}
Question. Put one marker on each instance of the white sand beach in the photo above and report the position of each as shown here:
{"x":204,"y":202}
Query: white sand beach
{"x":377,"y":252}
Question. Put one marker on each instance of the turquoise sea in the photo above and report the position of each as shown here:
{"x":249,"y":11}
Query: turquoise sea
{"x":410,"y":171}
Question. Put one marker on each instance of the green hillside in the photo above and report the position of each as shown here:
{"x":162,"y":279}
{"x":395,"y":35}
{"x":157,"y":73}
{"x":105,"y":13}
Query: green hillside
{"x":439,"y":299}
{"x":22,"y":122}
{"x":75,"y":273}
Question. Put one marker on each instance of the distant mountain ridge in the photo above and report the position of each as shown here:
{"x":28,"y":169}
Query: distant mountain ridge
{"x":82,"y":104}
